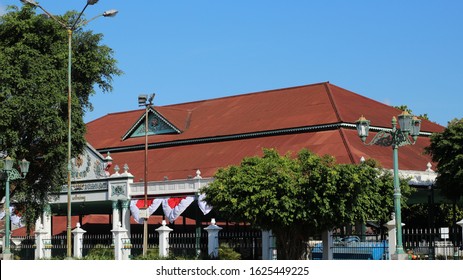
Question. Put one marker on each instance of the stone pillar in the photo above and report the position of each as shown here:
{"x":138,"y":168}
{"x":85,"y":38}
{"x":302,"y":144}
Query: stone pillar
{"x":392,"y":240}
{"x":391,"y":237}
{"x":122,"y":245}
{"x":213,"y":239}
{"x":327,"y":239}
{"x":42,"y":244}
{"x":268,"y":245}
{"x":125,"y":216}
{"x":78,"y":241}
{"x":164,"y":232}
{"x":115,"y":218}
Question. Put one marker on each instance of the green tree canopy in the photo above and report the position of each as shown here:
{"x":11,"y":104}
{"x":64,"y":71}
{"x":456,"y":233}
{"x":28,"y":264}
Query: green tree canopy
{"x":33,"y":97}
{"x":447,"y":150}
{"x":300,"y":197}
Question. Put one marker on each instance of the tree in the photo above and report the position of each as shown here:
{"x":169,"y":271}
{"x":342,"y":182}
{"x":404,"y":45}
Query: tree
{"x":33,"y":97}
{"x":446,"y":149}
{"x":300,"y":197}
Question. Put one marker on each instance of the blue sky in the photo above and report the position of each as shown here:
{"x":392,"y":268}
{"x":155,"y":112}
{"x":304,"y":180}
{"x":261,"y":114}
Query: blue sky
{"x":396,"y":52}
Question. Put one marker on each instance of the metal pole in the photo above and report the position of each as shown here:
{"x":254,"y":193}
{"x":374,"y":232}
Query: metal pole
{"x":7,"y":252}
{"x":145,"y":221}
{"x":397,"y":194}
{"x":69,"y":220}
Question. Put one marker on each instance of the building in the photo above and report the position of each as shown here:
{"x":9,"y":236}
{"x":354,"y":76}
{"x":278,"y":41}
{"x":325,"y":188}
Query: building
{"x":188,"y":142}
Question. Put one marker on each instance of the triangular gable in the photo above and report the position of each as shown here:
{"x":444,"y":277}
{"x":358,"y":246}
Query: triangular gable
{"x":157,"y":124}
{"x":89,"y":165}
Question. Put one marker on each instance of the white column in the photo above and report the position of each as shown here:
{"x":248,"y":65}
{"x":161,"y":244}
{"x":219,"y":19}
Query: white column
{"x":391,"y":236}
{"x":40,"y":240}
{"x":164,"y":232}
{"x":126,"y":215}
{"x":391,"y":232}
{"x":115,"y":218}
{"x":327,"y":239}
{"x":78,"y":244}
{"x":213,"y":239}
{"x":460,"y":223}
{"x":121,"y":243}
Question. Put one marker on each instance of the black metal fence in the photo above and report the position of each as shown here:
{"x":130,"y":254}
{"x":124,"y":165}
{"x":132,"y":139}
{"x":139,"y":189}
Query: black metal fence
{"x":420,"y":243}
{"x":433,"y":244}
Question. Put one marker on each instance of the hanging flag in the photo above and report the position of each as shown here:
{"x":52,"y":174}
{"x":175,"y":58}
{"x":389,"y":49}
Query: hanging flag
{"x":135,"y":206}
{"x":15,"y":217}
{"x":205,"y":208}
{"x":173,"y":207}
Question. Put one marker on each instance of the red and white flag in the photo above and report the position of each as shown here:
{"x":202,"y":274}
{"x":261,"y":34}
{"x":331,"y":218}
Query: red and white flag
{"x":173,"y":207}
{"x":205,"y":208}
{"x":135,"y":205}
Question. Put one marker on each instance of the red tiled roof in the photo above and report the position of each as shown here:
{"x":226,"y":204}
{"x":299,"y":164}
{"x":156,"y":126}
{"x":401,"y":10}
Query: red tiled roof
{"x":283,"y":110}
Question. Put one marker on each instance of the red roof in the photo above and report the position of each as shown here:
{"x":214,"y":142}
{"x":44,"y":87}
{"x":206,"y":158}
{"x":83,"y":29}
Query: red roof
{"x":220,"y":132}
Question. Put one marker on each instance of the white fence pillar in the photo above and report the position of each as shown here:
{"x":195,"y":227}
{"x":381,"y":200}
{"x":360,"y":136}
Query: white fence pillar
{"x":213,"y":239}
{"x":391,"y":236}
{"x":78,"y":241}
{"x":392,"y":240}
{"x":164,"y":232}
{"x":122,"y":244}
{"x":42,"y":244}
{"x":327,"y":239}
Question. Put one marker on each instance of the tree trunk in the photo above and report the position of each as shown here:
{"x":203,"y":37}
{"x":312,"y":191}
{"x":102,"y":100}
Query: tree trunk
{"x":291,"y":243}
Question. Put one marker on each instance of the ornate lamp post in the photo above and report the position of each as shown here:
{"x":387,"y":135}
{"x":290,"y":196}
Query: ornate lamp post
{"x":397,"y":137}
{"x":70,"y":27}
{"x":11,"y":174}
{"x":147,"y":102}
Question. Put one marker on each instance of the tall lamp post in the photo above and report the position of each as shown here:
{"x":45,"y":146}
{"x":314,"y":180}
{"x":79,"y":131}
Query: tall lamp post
{"x":70,"y":27}
{"x":147,"y":102}
{"x":10,"y":174}
{"x":399,"y":136}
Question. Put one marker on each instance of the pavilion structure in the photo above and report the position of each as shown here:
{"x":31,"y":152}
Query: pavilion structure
{"x":189,"y":142}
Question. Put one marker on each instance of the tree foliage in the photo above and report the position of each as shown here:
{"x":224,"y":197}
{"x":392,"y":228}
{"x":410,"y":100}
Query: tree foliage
{"x":33,"y":97}
{"x":299,"y":197}
{"x":447,"y":150}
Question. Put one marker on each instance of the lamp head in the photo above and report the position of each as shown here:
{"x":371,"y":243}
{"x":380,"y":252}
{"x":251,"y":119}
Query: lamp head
{"x":31,"y":2}
{"x":363,"y":126}
{"x":91,"y":2}
{"x":142,"y":100}
{"x":8,"y":164}
{"x":110,"y":13}
{"x":24,"y":166}
{"x":405,"y":122}
{"x":416,"y":125}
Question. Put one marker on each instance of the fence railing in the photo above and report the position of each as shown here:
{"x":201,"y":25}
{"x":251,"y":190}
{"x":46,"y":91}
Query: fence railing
{"x":424,"y":243}
{"x":430,"y":243}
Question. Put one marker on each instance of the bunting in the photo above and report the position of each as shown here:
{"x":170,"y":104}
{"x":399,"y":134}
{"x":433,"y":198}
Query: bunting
{"x":172,"y":207}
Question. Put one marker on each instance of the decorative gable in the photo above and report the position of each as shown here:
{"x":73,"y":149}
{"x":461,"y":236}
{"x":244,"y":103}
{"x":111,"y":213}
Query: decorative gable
{"x":157,"y":124}
{"x":89,"y":165}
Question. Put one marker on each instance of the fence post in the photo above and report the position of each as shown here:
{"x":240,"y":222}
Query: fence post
{"x":40,"y":250}
{"x":391,"y":233}
{"x":78,"y":244}
{"x":213,"y":239}
{"x":121,"y":246}
{"x":327,"y":241}
{"x":164,"y":232}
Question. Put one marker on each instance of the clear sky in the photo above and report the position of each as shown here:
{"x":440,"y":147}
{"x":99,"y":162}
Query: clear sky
{"x":396,"y":52}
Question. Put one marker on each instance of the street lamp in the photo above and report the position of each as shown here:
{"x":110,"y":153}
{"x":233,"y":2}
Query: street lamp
{"x":10,"y":174}
{"x":408,"y":126}
{"x":147,"y":102}
{"x":70,"y":27}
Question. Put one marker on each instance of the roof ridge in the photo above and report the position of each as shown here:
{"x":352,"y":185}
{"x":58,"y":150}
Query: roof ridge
{"x":333,"y":103}
{"x":245,"y":94}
